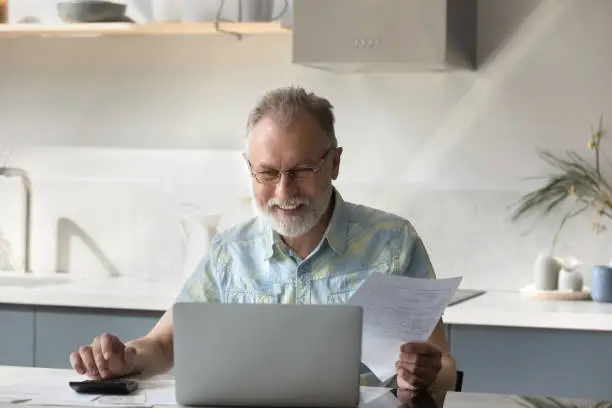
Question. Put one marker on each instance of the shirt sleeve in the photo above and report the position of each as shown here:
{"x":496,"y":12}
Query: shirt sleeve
{"x":203,"y":284}
{"x":414,"y":259}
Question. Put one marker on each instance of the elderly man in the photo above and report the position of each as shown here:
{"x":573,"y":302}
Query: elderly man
{"x":306,"y":237}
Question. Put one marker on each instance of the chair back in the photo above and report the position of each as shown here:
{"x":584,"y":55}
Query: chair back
{"x":459,"y":383}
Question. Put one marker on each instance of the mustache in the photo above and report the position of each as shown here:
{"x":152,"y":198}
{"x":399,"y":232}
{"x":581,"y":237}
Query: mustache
{"x":293,"y":202}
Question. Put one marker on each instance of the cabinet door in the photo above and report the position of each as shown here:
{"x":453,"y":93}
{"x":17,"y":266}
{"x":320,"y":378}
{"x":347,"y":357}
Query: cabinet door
{"x":16,"y":336}
{"x":61,"y":331}
{"x":537,"y":362}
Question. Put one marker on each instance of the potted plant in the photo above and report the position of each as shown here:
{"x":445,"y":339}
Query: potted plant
{"x":584,"y":184}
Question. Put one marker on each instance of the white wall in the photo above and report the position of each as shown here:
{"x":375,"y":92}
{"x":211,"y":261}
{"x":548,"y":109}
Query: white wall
{"x":448,"y":151}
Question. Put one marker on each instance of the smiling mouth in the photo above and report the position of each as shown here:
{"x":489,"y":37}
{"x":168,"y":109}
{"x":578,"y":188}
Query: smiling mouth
{"x":290,"y":210}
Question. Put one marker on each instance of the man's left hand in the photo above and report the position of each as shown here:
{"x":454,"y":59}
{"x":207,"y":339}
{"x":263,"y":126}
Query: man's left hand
{"x":418,"y":365}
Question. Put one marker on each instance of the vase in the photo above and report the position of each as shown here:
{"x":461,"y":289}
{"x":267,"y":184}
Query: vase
{"x":601,"y":283}
{"x":199,"y":229}
{"x":570,"y":275}
{"x":570,"y":281}
{"x":260,"y":10}
{"x":546,"y":273}
{"x":167,"y":10}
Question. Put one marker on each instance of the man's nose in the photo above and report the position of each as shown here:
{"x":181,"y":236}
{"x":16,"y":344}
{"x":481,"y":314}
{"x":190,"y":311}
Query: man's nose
{"x":286,"y":188}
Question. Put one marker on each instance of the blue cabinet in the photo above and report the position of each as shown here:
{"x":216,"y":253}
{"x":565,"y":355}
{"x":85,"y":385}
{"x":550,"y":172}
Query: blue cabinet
{"x":60,"y":331}
{"x":508,"y":360}
{"x":16,"y":336}
{"x":38,"y":336}
{"x":530,"y":361}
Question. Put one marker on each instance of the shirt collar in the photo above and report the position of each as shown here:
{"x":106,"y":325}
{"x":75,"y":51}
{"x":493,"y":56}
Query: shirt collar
{"x":337,"y":230}
{"x":336,"y":233}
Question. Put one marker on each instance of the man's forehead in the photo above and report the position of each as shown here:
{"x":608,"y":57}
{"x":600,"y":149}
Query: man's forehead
{"x":270,"y":142}
{"x":282,"y":155}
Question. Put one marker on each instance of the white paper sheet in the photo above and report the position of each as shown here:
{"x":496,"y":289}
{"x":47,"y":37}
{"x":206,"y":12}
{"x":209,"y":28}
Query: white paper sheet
{"x":159,"y":392}
{"x":45,"y":391}
{"x":367,"y":394}
{"x":397,"y":310}
{"x":135,"y":399}
{"x":377,"y":397}
{"x":57,"y":392}
{"x":11,"y":400}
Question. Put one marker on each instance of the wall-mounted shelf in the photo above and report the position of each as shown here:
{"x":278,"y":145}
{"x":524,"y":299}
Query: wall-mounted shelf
{"x":200,"y":28}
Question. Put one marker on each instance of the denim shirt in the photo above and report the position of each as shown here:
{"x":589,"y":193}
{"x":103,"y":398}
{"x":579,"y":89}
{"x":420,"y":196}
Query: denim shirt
{"x":249,"y":263}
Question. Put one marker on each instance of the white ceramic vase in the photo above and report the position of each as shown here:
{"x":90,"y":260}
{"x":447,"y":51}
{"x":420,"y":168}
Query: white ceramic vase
{"x":260,"y":10}
{"x":570,"y":275}
{"x":167,"y":10}
{"x":546,"y":272}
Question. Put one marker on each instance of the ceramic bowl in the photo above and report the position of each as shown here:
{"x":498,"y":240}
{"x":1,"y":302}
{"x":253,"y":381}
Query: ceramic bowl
{"x":91,"y":11}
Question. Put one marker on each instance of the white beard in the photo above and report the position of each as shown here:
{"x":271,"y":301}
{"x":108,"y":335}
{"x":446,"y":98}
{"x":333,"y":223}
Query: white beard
{"x":294,"y":226}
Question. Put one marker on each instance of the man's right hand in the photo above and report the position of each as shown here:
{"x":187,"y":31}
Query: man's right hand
{"x":106,"y":357}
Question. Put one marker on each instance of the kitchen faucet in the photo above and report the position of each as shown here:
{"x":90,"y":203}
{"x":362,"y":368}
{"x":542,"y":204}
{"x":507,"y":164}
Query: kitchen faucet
{"x":27,"y":193}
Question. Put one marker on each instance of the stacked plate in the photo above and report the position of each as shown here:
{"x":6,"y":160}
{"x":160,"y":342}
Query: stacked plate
{"x":92,"y":11}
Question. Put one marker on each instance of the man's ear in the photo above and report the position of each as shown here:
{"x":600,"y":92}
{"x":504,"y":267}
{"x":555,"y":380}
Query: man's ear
{"x":336,"y":163}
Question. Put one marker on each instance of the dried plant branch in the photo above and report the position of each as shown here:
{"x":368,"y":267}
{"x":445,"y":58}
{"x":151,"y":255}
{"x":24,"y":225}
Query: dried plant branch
{"x":575,"y":178}
{"x":7,"y":157}
{"x":570,"y":214}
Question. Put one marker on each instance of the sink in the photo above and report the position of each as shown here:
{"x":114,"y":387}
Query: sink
{"x":30,"y":281}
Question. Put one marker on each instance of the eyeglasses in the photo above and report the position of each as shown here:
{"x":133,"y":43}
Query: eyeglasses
{"x":300,"y":173}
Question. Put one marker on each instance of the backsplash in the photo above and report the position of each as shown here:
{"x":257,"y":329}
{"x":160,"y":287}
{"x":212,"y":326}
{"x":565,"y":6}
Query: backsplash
{"x":123,"y":140}
{"x":118,"y":211}
{"x":122,"y":215}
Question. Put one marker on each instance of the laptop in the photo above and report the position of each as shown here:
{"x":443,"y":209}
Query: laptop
{"x":256,"y":355}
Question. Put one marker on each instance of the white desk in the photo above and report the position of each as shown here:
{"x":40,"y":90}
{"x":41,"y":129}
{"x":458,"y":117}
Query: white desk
{"x":11,"y":375}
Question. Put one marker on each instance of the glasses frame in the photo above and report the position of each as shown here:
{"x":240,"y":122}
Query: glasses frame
{"x":291,"y":172}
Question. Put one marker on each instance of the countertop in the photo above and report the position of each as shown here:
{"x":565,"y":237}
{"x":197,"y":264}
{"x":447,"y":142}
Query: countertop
{"x":103,"y":293}
{"x":490,"y":309}
{"x":513,"y":309}
{"x":58,"y":378}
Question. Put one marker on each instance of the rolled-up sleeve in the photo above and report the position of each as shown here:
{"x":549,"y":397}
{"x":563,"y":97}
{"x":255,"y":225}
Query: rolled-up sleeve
{"x":414,"y":259}
{"x":203,"y":284}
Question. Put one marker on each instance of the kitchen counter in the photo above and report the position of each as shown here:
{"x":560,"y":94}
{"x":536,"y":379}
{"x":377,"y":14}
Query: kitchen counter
{"x":509,"y":309}
{"x":102,"y":293}
{"x":512,"y":309}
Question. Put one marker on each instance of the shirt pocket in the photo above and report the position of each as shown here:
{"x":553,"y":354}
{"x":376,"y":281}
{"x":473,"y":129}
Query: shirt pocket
{"x":256,"y":294}
{"x":341,"y":287}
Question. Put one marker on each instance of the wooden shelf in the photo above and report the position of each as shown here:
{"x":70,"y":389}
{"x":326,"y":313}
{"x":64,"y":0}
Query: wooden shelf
{"x":97,"y":29}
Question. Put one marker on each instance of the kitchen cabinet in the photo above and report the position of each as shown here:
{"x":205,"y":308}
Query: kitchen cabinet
{"x":39,"y":336}
{"x":494,"y":359}
{"x":16,"y":336}
{"x":538,"y":362}
{"x":60,"y":331}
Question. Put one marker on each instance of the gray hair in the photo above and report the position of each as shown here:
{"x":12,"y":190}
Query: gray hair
{"x":286,"y":103}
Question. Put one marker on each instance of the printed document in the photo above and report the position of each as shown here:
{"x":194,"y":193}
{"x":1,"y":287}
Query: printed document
{"x":51,"y":391}
{"x":398,"y":310}
{"x":45,"y":391}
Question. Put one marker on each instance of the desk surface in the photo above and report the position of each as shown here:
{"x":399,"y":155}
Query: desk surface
{"x":11,"y":375}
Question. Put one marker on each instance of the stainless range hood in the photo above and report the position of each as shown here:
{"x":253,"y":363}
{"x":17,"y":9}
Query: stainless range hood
{"x":346,"y":36}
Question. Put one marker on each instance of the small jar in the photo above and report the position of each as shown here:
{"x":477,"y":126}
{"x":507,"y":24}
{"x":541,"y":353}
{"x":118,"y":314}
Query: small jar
{"x":570,"y":280}
{"x":601,"y":283}
{"x":4,"y":11}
